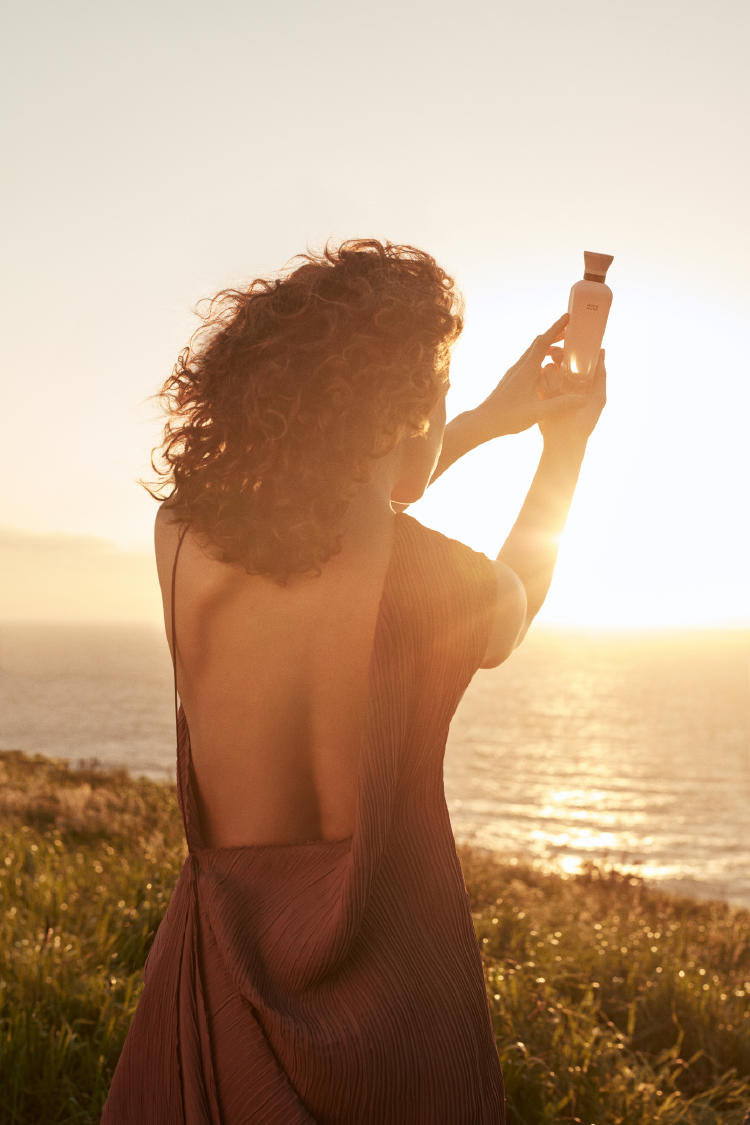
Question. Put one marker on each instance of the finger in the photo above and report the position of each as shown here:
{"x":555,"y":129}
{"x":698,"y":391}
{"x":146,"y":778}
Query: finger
{"x":553,"y":377}
{"x":541,"y":344}
{"x":556,"y":353}
{"x":557,"y":330}
{"x":545,"y":380}
{"x":600,"y":374}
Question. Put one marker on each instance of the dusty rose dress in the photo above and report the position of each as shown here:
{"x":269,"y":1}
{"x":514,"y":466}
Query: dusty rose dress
{"x":338,"y":983}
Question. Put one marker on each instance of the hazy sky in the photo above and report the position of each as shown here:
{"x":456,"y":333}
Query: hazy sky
{"x":154,"y":153}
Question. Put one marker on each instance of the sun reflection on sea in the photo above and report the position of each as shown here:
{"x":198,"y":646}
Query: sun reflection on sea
{"x":624,"y":752}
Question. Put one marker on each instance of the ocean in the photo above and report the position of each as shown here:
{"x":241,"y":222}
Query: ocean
{"x":617,"y":747}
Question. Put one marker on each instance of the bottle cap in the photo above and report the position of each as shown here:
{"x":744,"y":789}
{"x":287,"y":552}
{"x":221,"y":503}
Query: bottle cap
{"x":596,"y":265}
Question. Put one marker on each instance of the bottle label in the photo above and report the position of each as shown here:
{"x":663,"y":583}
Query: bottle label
{"x":592,"y":308}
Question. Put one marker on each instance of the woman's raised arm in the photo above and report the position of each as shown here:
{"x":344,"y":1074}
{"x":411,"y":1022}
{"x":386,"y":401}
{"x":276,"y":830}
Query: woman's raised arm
{"x":515,"y":404}
{"x":530,"y":394}
{"x":531,"y":548}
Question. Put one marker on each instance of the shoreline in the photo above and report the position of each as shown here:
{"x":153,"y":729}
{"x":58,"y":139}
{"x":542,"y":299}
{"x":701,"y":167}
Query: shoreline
{"x":83,"y":765}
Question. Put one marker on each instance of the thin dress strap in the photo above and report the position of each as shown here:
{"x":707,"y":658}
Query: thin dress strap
{"x":174,"y":642}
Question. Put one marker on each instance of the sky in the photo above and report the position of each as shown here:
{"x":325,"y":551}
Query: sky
{"x":155,"y":153}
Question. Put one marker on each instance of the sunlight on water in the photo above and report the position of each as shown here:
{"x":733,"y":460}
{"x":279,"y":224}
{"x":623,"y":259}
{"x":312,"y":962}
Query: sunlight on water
{"x":629,"y":749}
{"x":620,"y":748}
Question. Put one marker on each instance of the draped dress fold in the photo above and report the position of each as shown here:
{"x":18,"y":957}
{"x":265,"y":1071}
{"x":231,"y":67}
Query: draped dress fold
{"x":335,"y":982}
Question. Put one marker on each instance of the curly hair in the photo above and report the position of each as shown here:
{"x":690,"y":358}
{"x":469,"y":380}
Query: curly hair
{"x":288,"y":390}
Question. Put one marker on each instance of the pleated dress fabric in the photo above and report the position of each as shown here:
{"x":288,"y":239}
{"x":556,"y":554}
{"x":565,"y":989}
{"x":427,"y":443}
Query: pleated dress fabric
{"x":335,"y":982}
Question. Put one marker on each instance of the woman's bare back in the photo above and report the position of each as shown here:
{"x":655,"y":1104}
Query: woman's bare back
{"x":273,"y":682}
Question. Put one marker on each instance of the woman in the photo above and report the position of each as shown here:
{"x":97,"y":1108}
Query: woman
{"x":317,"y":961}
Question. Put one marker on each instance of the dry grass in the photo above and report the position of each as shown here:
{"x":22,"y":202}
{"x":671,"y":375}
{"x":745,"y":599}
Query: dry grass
{"x":613,"y":1004}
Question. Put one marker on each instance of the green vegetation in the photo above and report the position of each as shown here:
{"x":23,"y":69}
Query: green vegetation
{"x":611,"y":1002}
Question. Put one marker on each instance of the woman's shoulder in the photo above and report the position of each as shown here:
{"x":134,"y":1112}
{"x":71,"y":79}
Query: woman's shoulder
{"x":199,"y":571}
{"x":166,"y":527}
{"x":164,"y":516}
{"x":446,"y":576}
{"x":455,"y":598}
{"x":448,"y":553}
{"x":461,"y":583}
{"x":167,"y":531}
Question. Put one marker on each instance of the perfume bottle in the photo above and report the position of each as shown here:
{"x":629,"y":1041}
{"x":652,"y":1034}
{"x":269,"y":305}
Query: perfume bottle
{"x":589,"y":305}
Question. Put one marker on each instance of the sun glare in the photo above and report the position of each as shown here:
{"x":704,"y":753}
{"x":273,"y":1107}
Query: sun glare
{"x":655,"y":515}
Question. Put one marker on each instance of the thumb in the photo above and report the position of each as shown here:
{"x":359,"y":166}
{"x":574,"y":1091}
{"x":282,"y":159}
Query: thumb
{"x":599,"y":381}
{"x":600,"y":375}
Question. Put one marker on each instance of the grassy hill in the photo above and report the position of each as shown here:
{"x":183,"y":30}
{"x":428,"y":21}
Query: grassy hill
{"x":611,"y":1002}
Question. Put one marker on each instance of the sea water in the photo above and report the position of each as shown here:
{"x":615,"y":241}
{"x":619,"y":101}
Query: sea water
{"x":619,"y":747}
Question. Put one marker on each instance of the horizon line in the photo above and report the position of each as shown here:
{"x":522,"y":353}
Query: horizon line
{"x":742,"y":625}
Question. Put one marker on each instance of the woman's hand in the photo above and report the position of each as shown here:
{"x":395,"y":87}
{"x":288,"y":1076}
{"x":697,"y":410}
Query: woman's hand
{"x":526,"y":395}
{"x":516,"y":403}
{"x":569,"y":417}
{"x":529,"y":393}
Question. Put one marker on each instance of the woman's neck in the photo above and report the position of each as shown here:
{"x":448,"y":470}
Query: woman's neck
{"x":370,"y":513}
